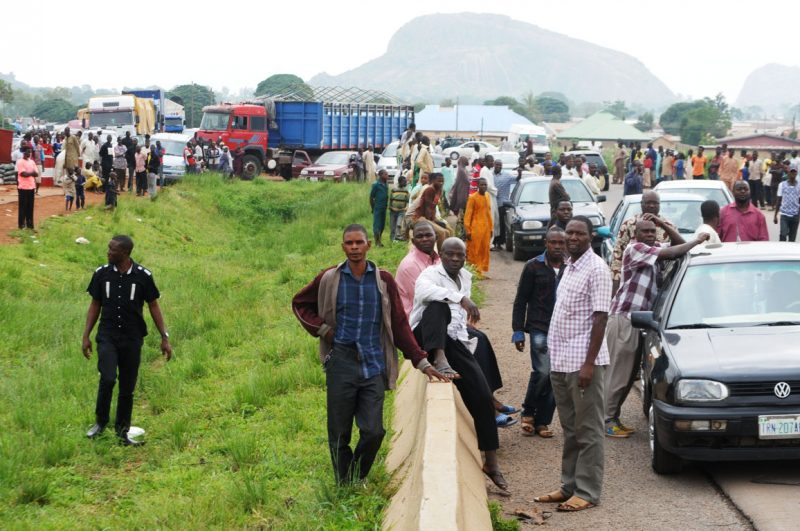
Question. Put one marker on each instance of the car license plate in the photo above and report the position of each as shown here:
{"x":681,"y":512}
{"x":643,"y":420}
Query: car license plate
{"x":313,"y":179}
{"x":779,"y":426}
{"x":533,"y":237}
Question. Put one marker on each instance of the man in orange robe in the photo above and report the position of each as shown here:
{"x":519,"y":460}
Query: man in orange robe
{"x":478,"y":228}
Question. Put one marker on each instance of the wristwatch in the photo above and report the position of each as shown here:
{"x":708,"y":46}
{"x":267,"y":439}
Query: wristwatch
{"x":165,"y":335}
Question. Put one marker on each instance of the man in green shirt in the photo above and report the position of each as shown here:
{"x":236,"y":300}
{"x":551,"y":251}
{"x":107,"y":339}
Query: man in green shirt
{"x":378,"y":201}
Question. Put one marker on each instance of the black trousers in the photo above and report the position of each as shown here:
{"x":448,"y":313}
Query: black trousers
{"x":141,"y":182}
{"x":501,"y":238}
{"x":487,"y":360}
{"x":131,"y":175}
{"x":123,"y":354}
{"x":757,"y":193}
{"x":431,"y":334}
{"x":351,"y":396}
{"x":25,"y":206}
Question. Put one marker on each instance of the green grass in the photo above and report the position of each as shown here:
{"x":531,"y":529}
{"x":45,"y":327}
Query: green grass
{"x":235,"y":423}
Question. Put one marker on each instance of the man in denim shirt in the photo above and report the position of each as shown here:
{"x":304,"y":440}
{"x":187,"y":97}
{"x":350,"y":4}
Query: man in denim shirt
{"x":533,"y":307}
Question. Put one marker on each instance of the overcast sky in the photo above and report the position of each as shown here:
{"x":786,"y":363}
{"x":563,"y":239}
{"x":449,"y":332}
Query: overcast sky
{"x":698,"y":48}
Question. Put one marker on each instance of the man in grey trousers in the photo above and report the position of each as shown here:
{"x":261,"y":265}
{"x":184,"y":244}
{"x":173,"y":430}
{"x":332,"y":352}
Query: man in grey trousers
{"x":578,"y":360}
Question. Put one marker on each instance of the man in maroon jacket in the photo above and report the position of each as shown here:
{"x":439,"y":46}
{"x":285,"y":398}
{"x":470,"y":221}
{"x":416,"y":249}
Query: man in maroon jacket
{"x":355,"y":310}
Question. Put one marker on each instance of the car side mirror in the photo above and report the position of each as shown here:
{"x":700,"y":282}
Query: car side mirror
{"x":508,"y":204}
{"x":644,"y":320}
{"x":604,"y":232}
{"x":600,"y":199}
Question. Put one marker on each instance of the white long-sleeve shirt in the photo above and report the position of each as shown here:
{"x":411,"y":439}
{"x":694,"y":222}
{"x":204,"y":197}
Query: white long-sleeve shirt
{"x":435,"y":285}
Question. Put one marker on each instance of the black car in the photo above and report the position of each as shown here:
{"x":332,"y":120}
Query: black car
{"x":592,"y":157}
{"x":528,"y":213}
{"x":721,"y":361}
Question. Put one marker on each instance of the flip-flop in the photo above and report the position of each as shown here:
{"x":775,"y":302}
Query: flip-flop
{"x":527,"y":426}
{"x":508,"y":410}
{"x":552,"y":497}
{"x":504,"y":421}
{"x":497,"y":478}
{"x":544,"y":432}
{"x":574,"y":505}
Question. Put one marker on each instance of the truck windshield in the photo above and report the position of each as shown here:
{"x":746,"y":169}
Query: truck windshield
{"x":214,"y":121}
{"x":176,"y":120}
{"x":111,"y":119}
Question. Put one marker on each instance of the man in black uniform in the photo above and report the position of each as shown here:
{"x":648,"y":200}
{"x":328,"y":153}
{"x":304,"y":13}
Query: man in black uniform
{"x":119,"y":290}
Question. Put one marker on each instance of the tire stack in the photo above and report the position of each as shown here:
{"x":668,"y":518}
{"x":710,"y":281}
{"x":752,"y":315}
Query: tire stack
{"x":8,"y":174}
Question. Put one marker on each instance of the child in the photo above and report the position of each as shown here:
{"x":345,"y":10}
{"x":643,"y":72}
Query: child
{"x":93,"y":182}
{"x":111,"y":191}
{"x":69,"y":188}
{"x":80,"y":195}
{"x":398,"y":202}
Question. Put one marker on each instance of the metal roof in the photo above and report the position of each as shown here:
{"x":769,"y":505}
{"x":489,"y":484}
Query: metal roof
{"x":603,"y":126}
{"x":300,"y":92}
{"x":469,"y":118}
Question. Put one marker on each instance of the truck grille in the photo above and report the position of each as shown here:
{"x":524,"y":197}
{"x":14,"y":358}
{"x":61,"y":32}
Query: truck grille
{"x":760,"y":388}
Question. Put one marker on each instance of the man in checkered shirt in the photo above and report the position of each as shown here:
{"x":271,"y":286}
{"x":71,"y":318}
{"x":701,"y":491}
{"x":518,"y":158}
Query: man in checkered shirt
{"x":640,"y":261}
{"x":578,"y":357}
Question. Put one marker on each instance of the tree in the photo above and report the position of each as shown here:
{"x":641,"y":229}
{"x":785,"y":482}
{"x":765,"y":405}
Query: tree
{"x":55,"y":110}
{"x":551,"y":110}
{"x":618,"y":109}
{"x":645,"y":122}
{"x":279,"y":83}
{"x":194,"y":98}
{"x":511,"y":103}
{"x":6,"y":92}
{"x":693,"y":120}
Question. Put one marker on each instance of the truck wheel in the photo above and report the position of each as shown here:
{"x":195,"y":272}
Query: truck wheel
{"x":663,"y":462}
{"x":251,"y":167}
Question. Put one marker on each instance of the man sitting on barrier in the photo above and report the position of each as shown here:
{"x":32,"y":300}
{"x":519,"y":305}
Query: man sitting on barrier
{"x":442,"y":309}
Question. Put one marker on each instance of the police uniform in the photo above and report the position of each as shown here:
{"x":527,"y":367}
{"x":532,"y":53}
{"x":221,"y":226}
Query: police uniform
{"x":120,"y":335}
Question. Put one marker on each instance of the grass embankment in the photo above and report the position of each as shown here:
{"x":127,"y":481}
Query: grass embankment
{"x":235,"y":423}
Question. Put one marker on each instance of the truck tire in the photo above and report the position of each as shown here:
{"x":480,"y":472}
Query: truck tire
{"x":251,"y":167}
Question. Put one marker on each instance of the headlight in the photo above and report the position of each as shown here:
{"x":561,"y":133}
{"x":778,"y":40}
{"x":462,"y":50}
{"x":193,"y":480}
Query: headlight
{"x":304,"y":172}
{"x":532,"y":224}
{"x":701,"y":391}
{"x":329,"y":173}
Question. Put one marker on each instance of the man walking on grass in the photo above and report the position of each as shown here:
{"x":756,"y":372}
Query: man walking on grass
{"x":640,"y":263}
{"x":378,"y":201}
{"x":355,"y":310}
{"x":119,"y":290}
{"x":578,"y":361}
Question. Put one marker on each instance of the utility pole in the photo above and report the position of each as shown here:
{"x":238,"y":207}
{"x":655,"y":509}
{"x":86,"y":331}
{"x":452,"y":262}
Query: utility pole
{"x":191,"y":105}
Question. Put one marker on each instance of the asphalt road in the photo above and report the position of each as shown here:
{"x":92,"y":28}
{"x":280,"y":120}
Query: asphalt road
{"x":758,"y":495}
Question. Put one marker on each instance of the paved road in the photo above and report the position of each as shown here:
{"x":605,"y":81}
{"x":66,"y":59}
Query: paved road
{"x":726,"y":495}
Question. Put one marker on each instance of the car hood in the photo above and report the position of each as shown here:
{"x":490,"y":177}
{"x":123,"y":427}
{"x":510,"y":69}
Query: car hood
{"x":541,"y":211}
{"x":328,"y":167}
{"x":173,"y":160}
{"x":734,"y":354}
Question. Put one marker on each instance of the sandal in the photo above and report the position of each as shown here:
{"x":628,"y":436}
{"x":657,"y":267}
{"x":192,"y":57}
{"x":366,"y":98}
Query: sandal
{"x":497,"y":478}
{"x":508,"y":410}
{"x":544,"y":432}
{"x":574,"y":505}
{"x":527,"y":426}
{"x":553,"y":497}
{"x":448,"y":372}
{"x":504,"y":421}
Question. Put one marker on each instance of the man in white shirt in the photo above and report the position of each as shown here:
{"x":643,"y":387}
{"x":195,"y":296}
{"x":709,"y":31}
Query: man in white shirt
{"x":590,"y":179}
{"x":710,"y":212}
{"x":442,"y":309}
{"x":569,"y":170}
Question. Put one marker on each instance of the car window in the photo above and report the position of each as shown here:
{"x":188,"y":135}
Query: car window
{"x":664,"y":281}
{"x":706,"y":193}
{"x":738,"y":294}
{"x":390,"y":150}
{"x":334,"y":157}
{"x":538,"y":191}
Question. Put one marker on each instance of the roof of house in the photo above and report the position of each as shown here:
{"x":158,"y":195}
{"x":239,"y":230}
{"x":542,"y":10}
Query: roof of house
{"x":603,"y":126}
{"x":487,"y":118}
{"x":762,"y":140}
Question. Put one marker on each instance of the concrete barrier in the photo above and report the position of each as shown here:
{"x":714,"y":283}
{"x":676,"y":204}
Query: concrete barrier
{"x":434,"y":460}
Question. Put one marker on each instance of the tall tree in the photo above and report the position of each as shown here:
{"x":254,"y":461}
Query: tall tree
{"x":6,"y":92}
{"x":194,"y":98}
{"x":645,"y":122}
{"x":551,"y":110}
{"x":693,"y":120}
{"x":618,"y":109}
{"x":55,"y":110}
{"x":279,"y":83}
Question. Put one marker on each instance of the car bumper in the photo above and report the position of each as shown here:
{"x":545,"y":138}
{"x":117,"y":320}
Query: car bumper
{"x":739,"y":441}
{"x":173,"y":173}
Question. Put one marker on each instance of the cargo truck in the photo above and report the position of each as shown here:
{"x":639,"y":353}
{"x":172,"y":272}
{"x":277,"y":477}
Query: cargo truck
{"x":157,"y":96}
{"x":274,"y":133}
{"x":121,"y":114}
{"x":174,"y":117}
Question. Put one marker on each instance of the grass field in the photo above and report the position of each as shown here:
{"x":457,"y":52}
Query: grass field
{"x":236,"y":422}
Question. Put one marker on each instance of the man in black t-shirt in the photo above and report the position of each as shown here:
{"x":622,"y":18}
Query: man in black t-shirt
{"x":119,"y":290}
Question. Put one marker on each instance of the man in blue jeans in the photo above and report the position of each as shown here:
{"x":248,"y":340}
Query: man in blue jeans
{"x":533,"y":307}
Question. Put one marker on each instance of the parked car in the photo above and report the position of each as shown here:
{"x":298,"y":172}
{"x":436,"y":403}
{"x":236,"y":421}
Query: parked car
{"x":451,"y":141}
{"x":528,"y":213}
{"x":467,"y":148}
{"x":591,"y":157}
{"x":716,"y":190}
{"x":510,"y":158}
{"x":720,"y":371}
{"x":333,"y":165}
{"x":683,"y":210}
{"x":388,"y":160}
{"x":173,"y":165}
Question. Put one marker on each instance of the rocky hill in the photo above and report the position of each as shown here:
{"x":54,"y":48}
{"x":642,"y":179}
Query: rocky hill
{"x":771,"y":86}
{"x":479,"y":56}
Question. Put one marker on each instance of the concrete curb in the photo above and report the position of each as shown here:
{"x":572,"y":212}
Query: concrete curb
{"x":434,"y":459}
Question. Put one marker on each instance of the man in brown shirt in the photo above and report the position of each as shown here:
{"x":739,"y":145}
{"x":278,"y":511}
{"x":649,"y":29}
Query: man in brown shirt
{"x":729,"y":170}
{"x":426,"y":209}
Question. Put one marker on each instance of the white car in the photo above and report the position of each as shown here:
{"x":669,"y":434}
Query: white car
{"x":173,"y":143}
{"x":510,"y":159}
{"x":707,"y":189}
{"x":388,"y":161}
{"x":468,"y":148}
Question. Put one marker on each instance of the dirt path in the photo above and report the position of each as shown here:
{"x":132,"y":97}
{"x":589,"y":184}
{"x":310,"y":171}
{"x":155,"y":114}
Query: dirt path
{"x":633,"y":496}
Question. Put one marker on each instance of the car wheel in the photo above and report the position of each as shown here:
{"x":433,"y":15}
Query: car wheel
{"x":663,"y":462}
{"x":509,"y":241}
{"x":343,"y":178}
{"x":454,"y":155}
{"x":518,"y":254}
{"x":647,"y":399}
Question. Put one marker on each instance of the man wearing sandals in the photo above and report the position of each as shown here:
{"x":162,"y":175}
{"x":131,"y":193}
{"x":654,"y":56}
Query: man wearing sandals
{"x":442,"y":311}
{"x":533,"y":308}
{"x":578,"y":360}
{"x":355,"y":311}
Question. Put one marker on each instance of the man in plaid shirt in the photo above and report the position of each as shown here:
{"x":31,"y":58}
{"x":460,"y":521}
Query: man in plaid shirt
{"x":637,"y":293}
{"x":578,"y":357}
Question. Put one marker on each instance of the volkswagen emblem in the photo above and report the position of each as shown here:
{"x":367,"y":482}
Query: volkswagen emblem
{"x":782,"y":389}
